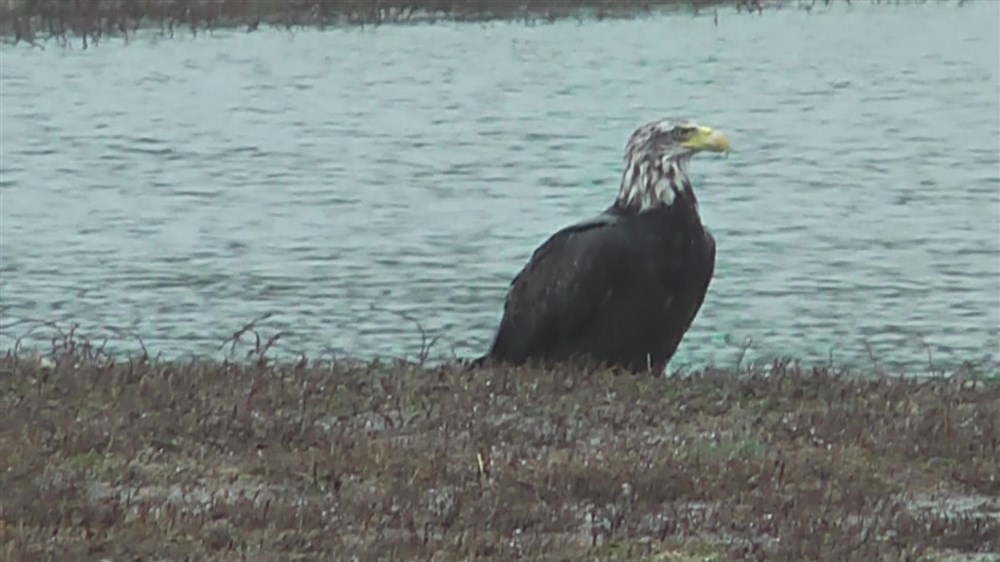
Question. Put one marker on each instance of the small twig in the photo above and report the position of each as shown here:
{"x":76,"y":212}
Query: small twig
{"x":238,"y":334}
{"x":744,"y":346}
{"x":130,"y":333}
{"x":930,"y":355}
{"x":262,"y":351}
{"x":871,"y":355}
{"x":425,"y":343}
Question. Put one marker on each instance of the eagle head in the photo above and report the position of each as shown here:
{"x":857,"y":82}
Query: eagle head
{"x":656,"y":161}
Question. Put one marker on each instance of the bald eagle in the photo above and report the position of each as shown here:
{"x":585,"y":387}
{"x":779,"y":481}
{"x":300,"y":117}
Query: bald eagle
{"x":621,"y":289}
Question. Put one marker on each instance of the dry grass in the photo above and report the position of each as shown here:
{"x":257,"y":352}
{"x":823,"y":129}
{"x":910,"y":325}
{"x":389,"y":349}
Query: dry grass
{"x":101,"y":18}
{"x":131,"y":458}
{"x":92,"y":20}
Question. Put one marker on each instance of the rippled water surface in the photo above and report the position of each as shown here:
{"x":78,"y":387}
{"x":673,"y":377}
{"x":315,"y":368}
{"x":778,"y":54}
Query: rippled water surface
{"x":182,"y":187}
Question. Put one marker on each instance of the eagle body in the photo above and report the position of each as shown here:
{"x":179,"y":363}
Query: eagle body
{"x":621,"y":289}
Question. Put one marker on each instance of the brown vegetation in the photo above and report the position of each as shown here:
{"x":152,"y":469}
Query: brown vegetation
{"x":100,"y":18}
{"x":132,"y":458}
{"x":31,"y":20}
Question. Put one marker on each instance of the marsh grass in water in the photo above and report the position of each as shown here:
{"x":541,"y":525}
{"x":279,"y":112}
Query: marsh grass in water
{"x":27,"y":19}
{"x":130,"y":457}
{"x":93,"y":20}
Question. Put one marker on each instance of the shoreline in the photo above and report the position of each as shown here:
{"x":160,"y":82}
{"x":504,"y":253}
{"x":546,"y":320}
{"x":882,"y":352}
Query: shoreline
{"x":83,"y":18}
{"x":40,"y":339}
{"x":37,"y":21}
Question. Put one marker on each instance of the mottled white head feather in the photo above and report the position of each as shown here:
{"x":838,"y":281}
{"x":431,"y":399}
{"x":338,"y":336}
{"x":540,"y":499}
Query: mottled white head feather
{"x":656,"y":162}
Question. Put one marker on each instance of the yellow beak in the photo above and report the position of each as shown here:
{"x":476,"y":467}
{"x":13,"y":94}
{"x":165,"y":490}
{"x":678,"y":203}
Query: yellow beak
{"x":705,"y":138}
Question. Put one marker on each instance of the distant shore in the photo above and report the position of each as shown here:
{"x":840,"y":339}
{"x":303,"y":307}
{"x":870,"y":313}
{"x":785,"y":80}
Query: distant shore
{"x":34,"y":21}
{"x":131,"y":457}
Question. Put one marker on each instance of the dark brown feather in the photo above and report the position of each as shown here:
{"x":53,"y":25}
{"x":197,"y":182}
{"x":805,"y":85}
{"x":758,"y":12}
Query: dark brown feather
{"x":621,"y":290}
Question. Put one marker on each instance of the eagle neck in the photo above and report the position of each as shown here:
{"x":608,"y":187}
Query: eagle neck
{"x":652,"y":183}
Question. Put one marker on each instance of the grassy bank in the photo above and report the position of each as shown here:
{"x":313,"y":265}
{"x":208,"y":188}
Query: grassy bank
{"x":127,"y":458}
{"x":91,"y":20}
{"x":27,"y":19}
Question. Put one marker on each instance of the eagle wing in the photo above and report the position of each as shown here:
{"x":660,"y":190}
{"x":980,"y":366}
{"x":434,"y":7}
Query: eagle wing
{"x":559,"y":290}
{"x":701,"y":276}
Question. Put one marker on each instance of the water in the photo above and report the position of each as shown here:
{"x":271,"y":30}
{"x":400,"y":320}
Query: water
{"x":342,"y":179}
